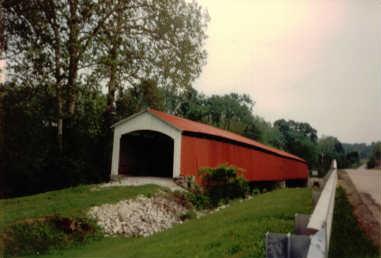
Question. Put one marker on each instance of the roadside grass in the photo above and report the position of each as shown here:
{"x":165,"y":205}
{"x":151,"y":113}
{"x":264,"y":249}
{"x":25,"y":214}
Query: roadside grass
{"x":347,"y":240}
{"x":236,"y":231}
{"x":67,"y":202}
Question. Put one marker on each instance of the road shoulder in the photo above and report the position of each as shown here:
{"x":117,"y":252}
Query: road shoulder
{"x":365,"y":209}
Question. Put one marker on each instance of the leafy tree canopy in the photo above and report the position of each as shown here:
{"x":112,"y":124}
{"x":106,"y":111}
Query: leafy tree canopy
{"x":299,"y":139}
{"x":66,"y":46}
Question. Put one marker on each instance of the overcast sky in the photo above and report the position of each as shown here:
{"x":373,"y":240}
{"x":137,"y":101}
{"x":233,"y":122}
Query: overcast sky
{"x":313,"y":61}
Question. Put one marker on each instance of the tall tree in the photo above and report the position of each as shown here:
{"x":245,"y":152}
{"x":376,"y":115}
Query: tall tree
{"x":157,"y":41}
{"x":65,"y":45}
{"x":135,"y":99}
{"x":2,"y":94}
{"x":330,"y":148}
{"x":290,"y":127}
{"x":299,"y":139}
{"x":375,"y":157}
{"x":230,"y":111}
{"x":50,"y":43}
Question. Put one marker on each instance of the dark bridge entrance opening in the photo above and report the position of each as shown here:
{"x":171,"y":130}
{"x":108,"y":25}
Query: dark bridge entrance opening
{"x":146,"y":153}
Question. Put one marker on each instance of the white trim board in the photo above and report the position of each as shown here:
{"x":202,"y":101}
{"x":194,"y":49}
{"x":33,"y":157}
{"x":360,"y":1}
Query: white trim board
{"x":145,"y":121}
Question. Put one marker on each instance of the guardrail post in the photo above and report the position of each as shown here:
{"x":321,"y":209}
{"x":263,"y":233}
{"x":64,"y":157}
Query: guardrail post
{"x":300,"y":224}
{"x":286,"y":245}
{"x":313,"y":232}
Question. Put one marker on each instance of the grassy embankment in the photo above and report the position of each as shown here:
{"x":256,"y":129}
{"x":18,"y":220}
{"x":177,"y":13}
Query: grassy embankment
{"x":73,"y":201}
{"x":347,"y":240}
{"x":237,"y":231}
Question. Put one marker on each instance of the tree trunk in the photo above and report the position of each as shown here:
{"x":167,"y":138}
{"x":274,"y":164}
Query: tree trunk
{"x":112,"y":84}
{"x":111,"y":89}
{"x":2,"y":130}
{"x":1,"y":119}
{"x":2,"y":34}
{"x":73,"y":57}
{"x":58,"y":77}
{"x":60,"y":122}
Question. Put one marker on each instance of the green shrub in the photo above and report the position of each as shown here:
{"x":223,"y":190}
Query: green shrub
{"x":43,"y":234}
{"x":223,"y":183}
{"x":371,"y":163}
{"x":199,"y":200}
{"x":255,"y":191}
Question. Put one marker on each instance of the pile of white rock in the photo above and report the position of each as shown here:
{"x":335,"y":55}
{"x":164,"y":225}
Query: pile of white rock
{"x":138,"y":217}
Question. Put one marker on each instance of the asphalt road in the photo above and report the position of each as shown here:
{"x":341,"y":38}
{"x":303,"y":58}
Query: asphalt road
{"x":367,"y":181}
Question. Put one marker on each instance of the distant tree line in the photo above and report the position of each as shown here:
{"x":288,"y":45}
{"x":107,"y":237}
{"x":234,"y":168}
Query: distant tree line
{"x":33,"y":163}
{"x":374,"y":160}
{"x":364,"y":150}
{"x":234,"y":112}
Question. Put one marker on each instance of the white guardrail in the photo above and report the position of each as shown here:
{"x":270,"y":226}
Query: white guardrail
{"x":312,"y":233}
{"x":321,"y":219}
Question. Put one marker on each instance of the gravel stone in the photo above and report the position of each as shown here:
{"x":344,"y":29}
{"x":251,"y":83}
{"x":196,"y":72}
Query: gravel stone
{"x":138,"y":217}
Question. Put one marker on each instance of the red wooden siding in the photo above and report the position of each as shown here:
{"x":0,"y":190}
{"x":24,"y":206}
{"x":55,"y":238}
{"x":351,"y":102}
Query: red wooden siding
{"x":258,"y":165}
{"x":186,"y":125}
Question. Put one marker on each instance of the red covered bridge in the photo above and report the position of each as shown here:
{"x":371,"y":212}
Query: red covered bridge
{"x":153,"y":143}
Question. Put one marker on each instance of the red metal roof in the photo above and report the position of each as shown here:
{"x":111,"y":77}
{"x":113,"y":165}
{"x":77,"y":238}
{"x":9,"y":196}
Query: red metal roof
{"x":196,"y":127}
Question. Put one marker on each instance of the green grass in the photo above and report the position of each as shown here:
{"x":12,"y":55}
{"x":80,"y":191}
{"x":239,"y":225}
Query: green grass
{"x":347,"y":240}
{"x":237,"y":231}
{"x":67,"y":202}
